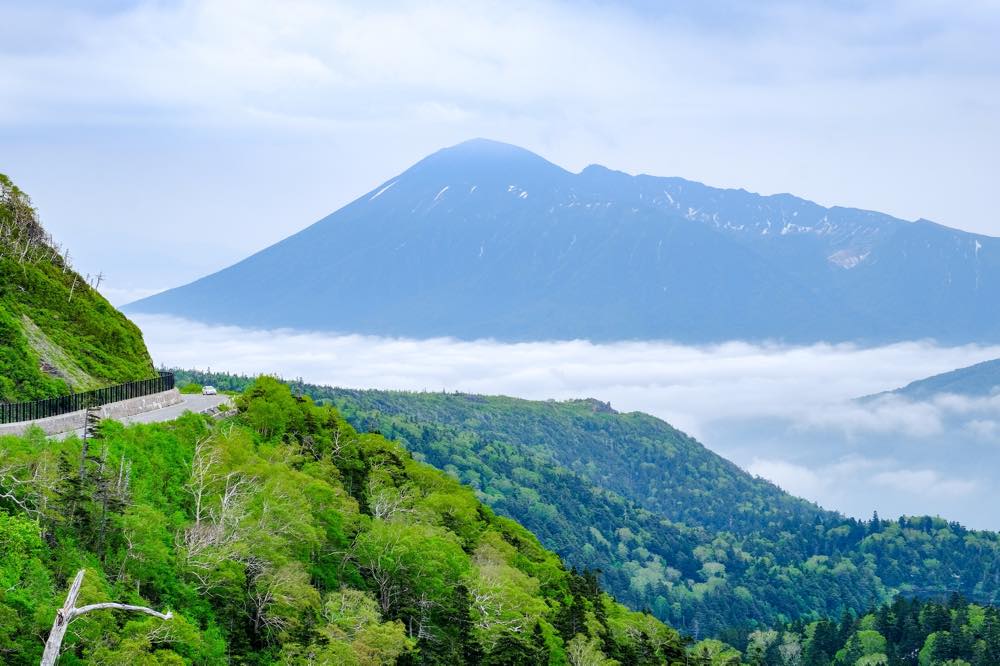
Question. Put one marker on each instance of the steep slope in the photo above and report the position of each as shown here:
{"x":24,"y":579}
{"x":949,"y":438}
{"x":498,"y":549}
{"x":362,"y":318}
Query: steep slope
{"x":489,"y":240}
{"x":672,"y":526}
{"x":282,"y":536}
{"x":57,"y":333}
{"x":742,"y":534}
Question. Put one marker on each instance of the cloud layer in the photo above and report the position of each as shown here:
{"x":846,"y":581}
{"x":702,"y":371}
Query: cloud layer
{"x":785,"y":413}
{"x":692,"y":386}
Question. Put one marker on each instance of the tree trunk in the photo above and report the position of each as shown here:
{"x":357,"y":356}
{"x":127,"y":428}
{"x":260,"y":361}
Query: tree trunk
{"x":70,"y":612}
{"x":61,"y":622}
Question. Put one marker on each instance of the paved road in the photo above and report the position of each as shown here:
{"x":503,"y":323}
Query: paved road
{"x":192,"y":403}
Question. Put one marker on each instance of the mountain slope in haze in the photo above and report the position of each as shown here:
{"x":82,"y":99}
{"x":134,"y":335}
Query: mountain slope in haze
{"x":672,"y":526}
{"x":487,"y":240}
{"x":979,"y":380}
{"x":57,"y":334}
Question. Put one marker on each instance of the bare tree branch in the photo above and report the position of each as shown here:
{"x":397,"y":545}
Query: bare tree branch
{"x":110,"y":605}
{"x":70,"y":612}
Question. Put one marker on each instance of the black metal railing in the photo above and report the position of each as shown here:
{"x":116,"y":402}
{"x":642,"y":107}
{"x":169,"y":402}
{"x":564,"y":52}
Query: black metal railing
{"x":15,"y":412}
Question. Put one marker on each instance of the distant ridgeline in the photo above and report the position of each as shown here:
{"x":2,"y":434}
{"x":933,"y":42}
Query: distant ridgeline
{"x":57,"y":333}
{"x":672,"y":526}
{"x":979,"y":380}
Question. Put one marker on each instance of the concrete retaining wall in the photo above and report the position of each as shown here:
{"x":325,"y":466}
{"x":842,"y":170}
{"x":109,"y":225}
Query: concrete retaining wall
{"x":115,"y":410}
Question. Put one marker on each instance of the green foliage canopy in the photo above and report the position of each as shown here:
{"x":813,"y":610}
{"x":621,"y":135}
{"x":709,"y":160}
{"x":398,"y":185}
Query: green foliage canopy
{"x":282,"y":536}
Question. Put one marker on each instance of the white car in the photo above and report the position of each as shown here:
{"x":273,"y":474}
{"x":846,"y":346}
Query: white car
{"x":208,"y":390}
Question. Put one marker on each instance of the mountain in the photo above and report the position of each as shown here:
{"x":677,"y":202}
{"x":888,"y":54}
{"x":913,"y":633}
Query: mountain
{"x":282,"y":536}
{"x":57,"y":333}
{"x":979,"y":380}
{"x":487,"y":240}
{"x":672,"y":526}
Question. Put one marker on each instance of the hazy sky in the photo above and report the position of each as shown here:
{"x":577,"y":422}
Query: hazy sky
{"x":164,"y":140}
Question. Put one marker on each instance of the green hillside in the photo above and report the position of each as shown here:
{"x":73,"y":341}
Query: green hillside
{"x":718,"y":548}
{"x":282,"y":536}
{"x":57,"y":333}
{"x":672,"y":526}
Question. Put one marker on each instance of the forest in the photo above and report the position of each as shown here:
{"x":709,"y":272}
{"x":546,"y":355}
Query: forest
{"x":283,"y":536}
{"x":673,"y":527}
{"x":906,"y":632}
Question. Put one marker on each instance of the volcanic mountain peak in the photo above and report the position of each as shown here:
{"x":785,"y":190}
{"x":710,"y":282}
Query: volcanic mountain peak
{"x":489,"y":240}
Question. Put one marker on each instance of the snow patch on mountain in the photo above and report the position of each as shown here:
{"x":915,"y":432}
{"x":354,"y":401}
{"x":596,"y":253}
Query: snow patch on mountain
{"x":379,"y":193}
{"x":847,"y":259}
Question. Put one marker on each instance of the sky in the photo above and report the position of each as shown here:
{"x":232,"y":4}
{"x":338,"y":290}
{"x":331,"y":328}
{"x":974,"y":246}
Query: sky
{"x":163,"y":140}
{"x":787,"y":414}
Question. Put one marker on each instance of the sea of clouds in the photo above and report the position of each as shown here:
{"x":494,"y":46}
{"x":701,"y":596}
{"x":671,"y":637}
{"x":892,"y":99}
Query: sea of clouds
{"x":787,"y":413}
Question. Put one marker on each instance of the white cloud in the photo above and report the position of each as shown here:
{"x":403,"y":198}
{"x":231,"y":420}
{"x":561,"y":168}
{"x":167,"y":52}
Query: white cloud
{"x":774,"y":96}
{"x":786,"y":413}
{"x":894,"y":414}
{"x":984,"y":429}
{"x":923,"y":481}
{"x":797,"y":479}
{"x":829,"y":484}
{"x":858,"y":485}
{"x":691,"y":386}
{"x":885,"y":415}
{"x":307,"y":57}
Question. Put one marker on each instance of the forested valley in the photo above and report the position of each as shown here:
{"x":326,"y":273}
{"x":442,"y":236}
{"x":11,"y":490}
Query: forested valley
{"x":672,"y":527}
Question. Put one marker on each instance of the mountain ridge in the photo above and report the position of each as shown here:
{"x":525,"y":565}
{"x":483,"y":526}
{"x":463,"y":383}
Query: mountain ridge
{"x":977,"y":380}
{"x":487,"y":240}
